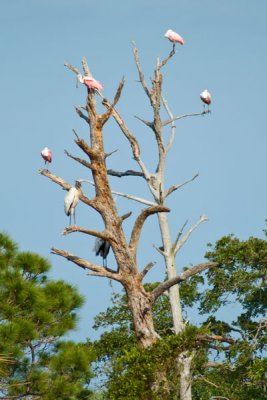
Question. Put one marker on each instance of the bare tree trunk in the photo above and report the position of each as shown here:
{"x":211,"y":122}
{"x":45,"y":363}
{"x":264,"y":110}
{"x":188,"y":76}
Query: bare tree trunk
{"x":140,"y":305}
{"x":174,"y":293}
{"x":185,"y":361}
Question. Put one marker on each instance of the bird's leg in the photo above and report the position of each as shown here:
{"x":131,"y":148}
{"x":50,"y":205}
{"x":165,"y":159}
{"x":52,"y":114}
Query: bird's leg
{"x":74,"y":218}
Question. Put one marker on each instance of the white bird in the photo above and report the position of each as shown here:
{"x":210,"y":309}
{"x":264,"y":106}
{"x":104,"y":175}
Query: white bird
{"x":71,"y":200}
{"x":102,"y":248}
{"x":206,"y":97}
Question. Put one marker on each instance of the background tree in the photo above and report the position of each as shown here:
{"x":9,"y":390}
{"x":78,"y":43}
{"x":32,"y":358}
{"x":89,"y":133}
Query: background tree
{"x":35,"y":313}
{"x":230,"y":352}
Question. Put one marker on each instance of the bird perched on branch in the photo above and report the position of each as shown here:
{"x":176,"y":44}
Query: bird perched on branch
{"x":206,"y":97}
{"x":46,"y":153}
{"x":174,"y":37}
{"x":102,"y":248}
{"x":92,"y":84}
{"x":71,"y":200}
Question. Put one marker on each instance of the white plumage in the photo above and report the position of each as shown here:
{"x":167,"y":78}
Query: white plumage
{"x":70,"y":202}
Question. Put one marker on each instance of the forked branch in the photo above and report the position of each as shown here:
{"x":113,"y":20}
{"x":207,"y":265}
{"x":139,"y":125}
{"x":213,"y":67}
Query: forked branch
{"x":180,"y":242}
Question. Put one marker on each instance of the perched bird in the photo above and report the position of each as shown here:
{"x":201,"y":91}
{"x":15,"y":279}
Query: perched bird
{"x":174,"y":37}
{"x":71,"y":201}
{"x":102,"y":248}
{"x":206,"y":97}
{"x":90,"y":82}
{"x":46,"y":153}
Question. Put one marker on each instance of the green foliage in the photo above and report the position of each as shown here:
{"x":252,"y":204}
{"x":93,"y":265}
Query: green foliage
{"x":136,"y":369}
{"x":34,"y":314}
{"x":235,"y":349}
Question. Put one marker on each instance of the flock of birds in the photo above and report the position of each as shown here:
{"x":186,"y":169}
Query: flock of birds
{"x":71,"y":199}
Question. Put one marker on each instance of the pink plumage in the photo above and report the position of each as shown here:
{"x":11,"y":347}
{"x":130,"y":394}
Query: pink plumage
{"x":90,"y":82}
{"x":46,"y":153}
{"x":174,"y":37}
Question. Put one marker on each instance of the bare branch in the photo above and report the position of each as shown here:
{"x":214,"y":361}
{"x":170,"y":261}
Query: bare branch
{"x":81,"y":114}
{"x":110,"y":153}
{"x":67,"y":186}
{"x":146,"y":269}
{"x":180,"y":278}
{"x":129,"y":172}
{"x":131,"y":138}
{"x":169,"y":121}
{"x":128,"y":196}
{"x":80,"y":160}
{"x":164,"y":62}
{"x":179,"y":243}
{"x":172,"y":135}
{"x":73,"y":228}
{"x":82,"y":263}
{"x":55,"y":179}
{"x":136,"y":232}
{"x":141,"y":75}
{"x":180,"y":233}
{"x":86,"y":69}
{"x":160,"y":250}
{"x":104,"y":117}
{"x":206,"y":380}
{"x":125,"y":216}
{"x":149,"y":124}
{"x":196,"y":269}
{"x":86,"y":148}
{"x":73,"y":69}
{"x":175,"y":187}
{"x":215,"y":338}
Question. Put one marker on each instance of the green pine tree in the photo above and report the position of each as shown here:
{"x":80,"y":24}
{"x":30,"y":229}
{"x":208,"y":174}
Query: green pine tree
{"x":35,"y":313}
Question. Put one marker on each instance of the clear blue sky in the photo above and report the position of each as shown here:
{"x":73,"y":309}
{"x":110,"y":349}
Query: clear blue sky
{"x":225,"y":51}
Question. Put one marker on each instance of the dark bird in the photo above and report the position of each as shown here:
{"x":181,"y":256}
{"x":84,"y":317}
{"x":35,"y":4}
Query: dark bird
{"x":101,"y":248}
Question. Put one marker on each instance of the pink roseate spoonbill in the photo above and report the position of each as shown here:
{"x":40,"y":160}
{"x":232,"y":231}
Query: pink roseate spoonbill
{"x":46,"y":153}
{"x":102,"y":248}
{"x":71,"y":200}
{"x":206,"y":97}
{"x":92,"y":84}
{"x":174,"y":37}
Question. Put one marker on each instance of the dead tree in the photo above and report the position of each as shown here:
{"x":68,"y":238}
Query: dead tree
{"x":155,"y":182}
{"x":127,"y":273}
